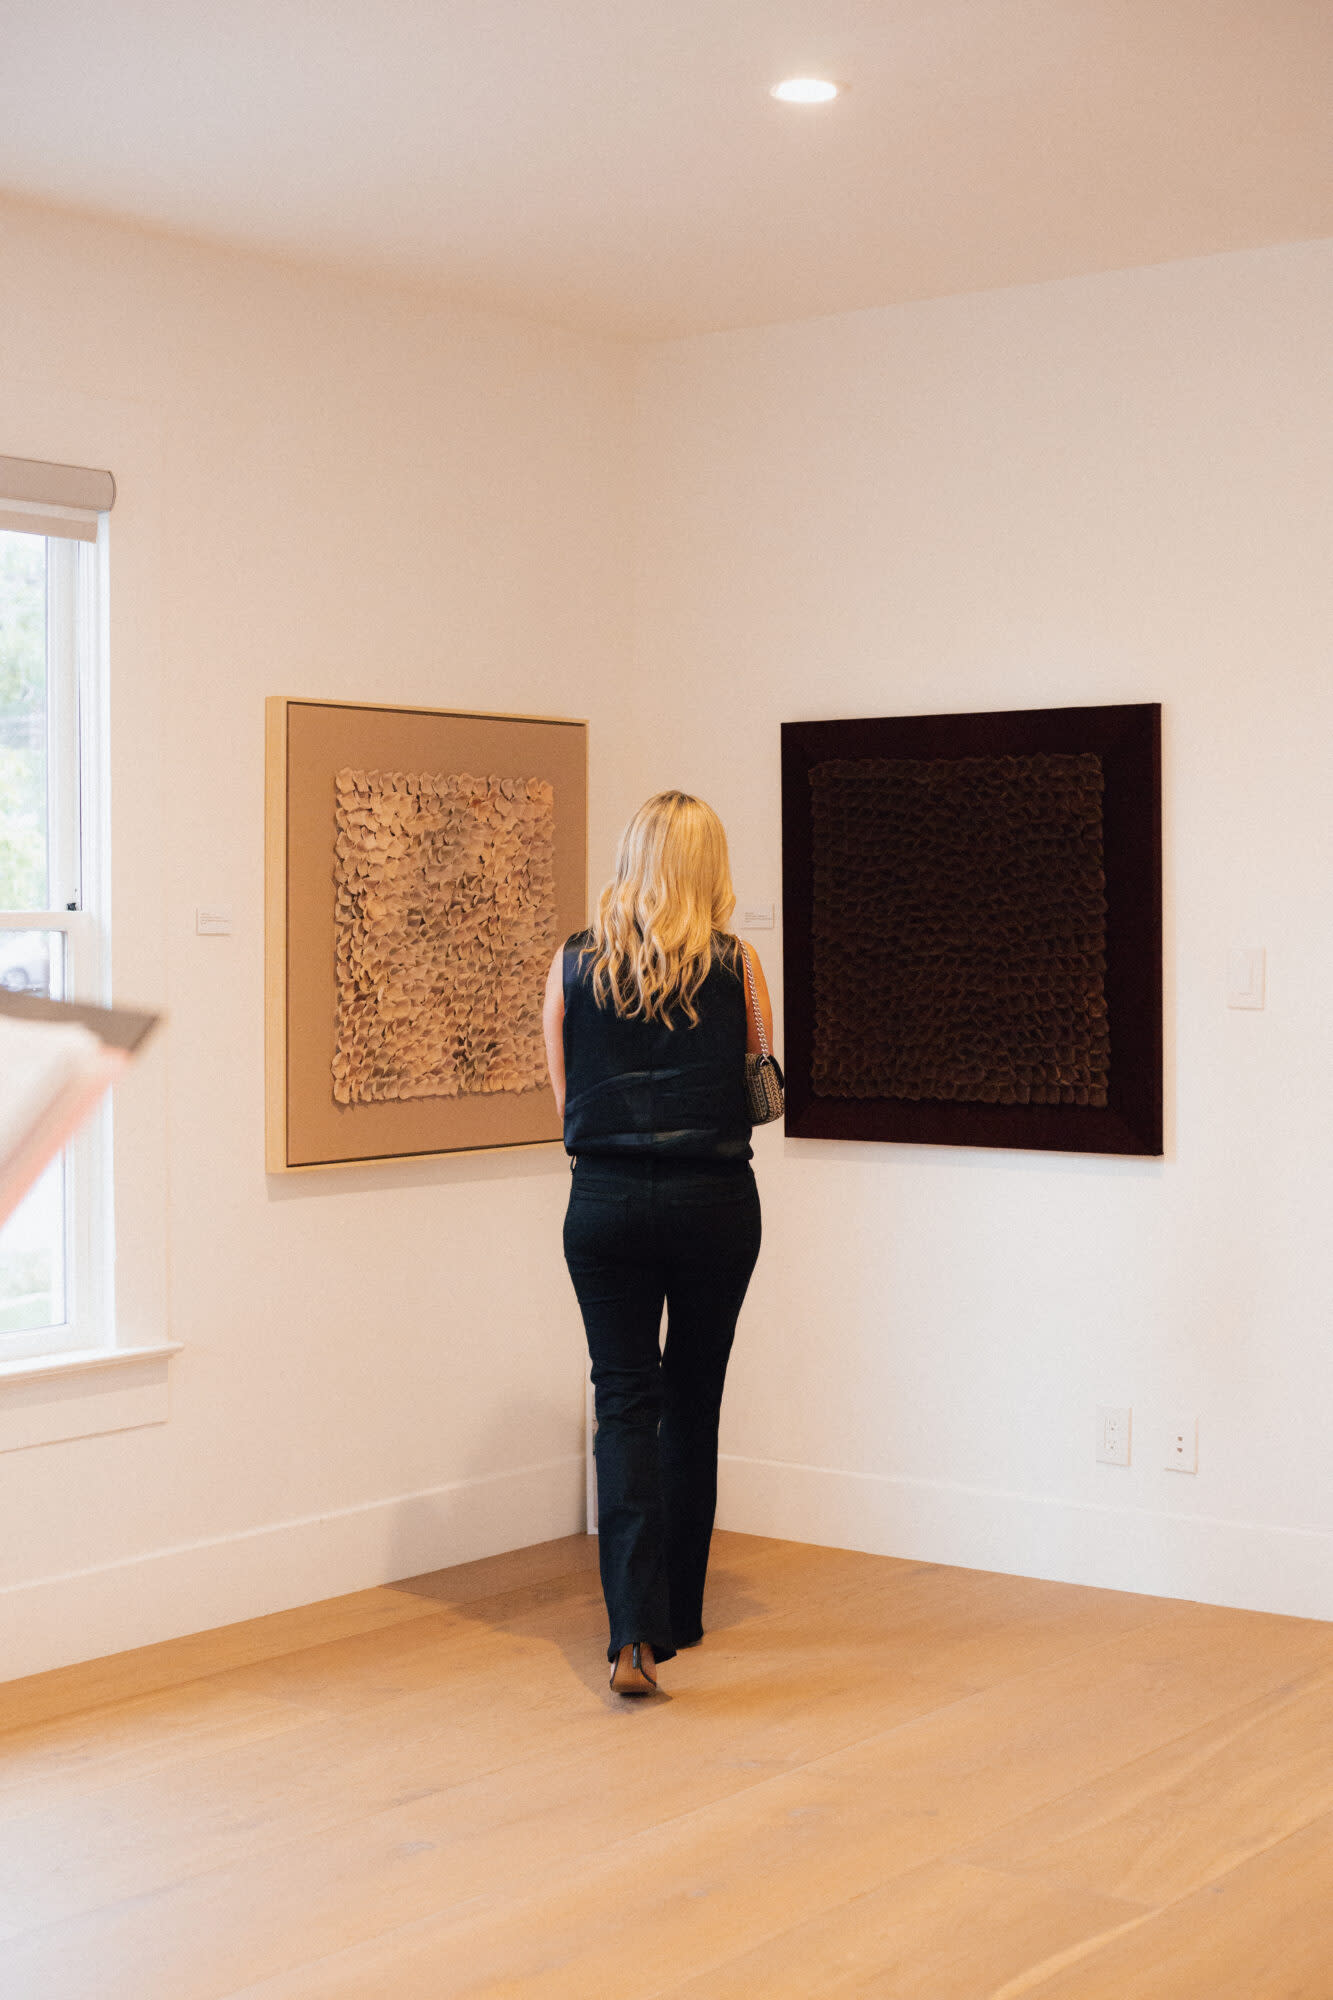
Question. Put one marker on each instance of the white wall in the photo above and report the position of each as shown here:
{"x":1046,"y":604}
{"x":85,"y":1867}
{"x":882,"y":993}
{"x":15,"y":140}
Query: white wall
{"x":1114,"y":489}
{"x":1102,"y":490}
{"x":337,"y":490}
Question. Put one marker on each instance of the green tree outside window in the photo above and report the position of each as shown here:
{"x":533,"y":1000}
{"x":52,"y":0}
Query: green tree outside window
{"x":23,"y":877}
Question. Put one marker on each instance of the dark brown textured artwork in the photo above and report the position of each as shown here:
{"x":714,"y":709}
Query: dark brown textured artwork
{"x":972,"y":910}
{"x":959,"y":926}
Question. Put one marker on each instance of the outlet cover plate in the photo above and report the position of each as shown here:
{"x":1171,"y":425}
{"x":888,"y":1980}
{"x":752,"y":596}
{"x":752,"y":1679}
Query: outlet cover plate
{"x":1182,"y":1445}
{"x":1113,"y":1427}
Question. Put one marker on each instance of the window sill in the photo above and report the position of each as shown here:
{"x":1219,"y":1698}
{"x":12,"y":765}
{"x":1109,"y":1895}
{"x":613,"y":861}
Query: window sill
{"x":47,"y":1398}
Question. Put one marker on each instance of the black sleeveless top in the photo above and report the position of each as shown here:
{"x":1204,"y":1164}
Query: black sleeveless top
{"x":636,"y":1087}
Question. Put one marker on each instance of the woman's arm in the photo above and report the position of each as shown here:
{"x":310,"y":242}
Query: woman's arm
{"x":765,"y":1006}
{"x":553,"y":1027}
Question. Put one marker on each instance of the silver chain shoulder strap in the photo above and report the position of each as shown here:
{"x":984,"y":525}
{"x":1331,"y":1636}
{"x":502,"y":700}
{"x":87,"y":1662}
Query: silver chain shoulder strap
{"x":763,"y":1074}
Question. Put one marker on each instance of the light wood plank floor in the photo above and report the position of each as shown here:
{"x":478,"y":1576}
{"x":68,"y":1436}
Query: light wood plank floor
{"x":874,"y":1778}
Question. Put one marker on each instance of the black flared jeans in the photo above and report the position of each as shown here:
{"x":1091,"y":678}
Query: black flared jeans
{"x":641,"y":1233}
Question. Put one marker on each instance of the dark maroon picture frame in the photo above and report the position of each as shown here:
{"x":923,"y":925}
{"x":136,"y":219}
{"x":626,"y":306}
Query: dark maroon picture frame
{"x":1127,"y":737}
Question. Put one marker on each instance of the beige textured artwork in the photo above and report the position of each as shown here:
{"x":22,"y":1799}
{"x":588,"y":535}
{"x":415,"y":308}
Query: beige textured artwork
{"x":445,"y":922}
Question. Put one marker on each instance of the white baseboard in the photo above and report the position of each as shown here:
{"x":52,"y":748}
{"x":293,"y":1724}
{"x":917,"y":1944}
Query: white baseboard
{"x":1252,"y":1566}
{"x":168,"y":1593}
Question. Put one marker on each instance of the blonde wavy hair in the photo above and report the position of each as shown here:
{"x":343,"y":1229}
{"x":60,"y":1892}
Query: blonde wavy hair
{"x":656,"y":932}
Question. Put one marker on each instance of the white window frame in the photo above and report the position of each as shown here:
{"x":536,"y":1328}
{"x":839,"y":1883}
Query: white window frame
{"x":77,"y":885}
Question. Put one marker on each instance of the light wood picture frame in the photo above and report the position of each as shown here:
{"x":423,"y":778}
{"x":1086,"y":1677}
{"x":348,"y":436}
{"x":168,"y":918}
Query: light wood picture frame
{"x":337,"y":775}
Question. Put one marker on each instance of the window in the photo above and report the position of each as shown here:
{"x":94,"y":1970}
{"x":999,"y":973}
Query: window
{"x":55,"y":1294}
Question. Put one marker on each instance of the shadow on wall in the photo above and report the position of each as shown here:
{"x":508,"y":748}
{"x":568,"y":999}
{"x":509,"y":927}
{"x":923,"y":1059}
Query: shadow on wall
{"x":537,"y":1445}
{"x":975,"y":1159}
{"x":545,"y":1161}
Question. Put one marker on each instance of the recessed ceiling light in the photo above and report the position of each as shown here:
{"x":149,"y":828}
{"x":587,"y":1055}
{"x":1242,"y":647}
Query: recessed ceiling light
{"x":804,"y":90}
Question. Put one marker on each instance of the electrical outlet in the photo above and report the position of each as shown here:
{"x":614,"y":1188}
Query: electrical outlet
{"x":1113,"y":1436}
{"x":1182,"y":1445}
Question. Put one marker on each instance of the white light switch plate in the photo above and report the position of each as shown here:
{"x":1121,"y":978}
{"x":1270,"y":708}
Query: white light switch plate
{"x":213,"y":923}
{"x":1247,"y":976}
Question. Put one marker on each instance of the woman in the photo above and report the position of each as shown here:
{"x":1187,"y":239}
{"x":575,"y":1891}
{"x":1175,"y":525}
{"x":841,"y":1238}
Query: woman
{"x":647,"y":1026}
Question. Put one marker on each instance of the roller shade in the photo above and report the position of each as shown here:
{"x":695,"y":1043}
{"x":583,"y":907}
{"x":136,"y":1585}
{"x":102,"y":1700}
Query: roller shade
{"x":41,"y":499}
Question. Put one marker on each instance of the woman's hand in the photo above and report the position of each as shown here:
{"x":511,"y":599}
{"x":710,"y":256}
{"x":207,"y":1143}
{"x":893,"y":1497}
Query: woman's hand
{"x":553,"y":1027}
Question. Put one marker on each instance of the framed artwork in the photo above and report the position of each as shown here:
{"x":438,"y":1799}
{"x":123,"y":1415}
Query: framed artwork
{"x":973,"y":929}
{"x":422,"y":865}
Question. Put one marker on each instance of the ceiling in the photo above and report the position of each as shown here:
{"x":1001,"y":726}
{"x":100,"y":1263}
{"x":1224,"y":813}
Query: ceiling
{"x":618,"y":165}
